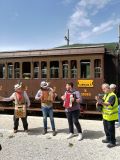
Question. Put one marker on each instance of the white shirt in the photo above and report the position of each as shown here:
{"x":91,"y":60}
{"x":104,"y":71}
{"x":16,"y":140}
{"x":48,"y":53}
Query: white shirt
{"x":13,"y":97}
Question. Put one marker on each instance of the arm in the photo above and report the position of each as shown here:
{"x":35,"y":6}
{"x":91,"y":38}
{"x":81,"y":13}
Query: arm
{"x":63,"y":97}
{"x":110,"y":101}
{"x":105,"y":103}
{"x":11,"y":98}
{"x":38,"y":95}
{"x":78,"y":97}
{"x":27,"y":99}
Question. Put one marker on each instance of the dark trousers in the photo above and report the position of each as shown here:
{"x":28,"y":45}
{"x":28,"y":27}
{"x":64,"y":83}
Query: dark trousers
{"x":0,"y":147}
{"x":24,"y":121}
{"x":73,"y":119}
{"x":109,"y":128}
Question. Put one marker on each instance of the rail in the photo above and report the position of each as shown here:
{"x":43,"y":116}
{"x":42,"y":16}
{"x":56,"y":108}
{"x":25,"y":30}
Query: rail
{"x":57,"y":107}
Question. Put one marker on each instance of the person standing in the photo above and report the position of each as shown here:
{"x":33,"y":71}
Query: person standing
{"x":110,"y":114}
{"x":21,"y":103}
{"x":113,"y":89}
{"x":46,"y":95}
{"x":72,"y":99}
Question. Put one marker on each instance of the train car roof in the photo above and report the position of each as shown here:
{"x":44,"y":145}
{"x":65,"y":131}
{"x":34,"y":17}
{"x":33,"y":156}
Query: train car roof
{"x":92,"y":49}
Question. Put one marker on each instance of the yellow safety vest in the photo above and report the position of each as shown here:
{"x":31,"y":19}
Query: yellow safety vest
{"x":110,"y":113}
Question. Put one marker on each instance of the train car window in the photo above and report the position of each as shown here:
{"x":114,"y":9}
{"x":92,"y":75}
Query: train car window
{"x":17,"y":69}
{"x":43,"y":69}
{"x":2,"y":71}
{"x":85,"y":68}
{"x":26,"y":70}
{"x":10,"y":70}
{"x":97,"y":68}
{"x":36,"y":70}
{"x":54,"y":69}
{"x":73,"y":67}
{"x":65,"y":69}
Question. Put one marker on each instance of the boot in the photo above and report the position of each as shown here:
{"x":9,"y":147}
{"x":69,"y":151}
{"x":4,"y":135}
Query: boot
{"x":44,"y":131}
{"x":54,"y":133}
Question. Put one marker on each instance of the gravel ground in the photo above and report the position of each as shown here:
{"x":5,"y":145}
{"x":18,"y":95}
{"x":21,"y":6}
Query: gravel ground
{"x":35,"y":146}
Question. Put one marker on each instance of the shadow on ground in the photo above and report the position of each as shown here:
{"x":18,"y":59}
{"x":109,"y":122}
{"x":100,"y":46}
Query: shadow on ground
{"x":89,"y":134}
{"x":35,"y":131}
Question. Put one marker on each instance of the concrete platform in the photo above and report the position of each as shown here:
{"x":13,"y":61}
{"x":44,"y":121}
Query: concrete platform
{"x":34,"y":145}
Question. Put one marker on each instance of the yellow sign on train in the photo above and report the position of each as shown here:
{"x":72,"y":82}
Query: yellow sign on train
{"x":85,"y":83}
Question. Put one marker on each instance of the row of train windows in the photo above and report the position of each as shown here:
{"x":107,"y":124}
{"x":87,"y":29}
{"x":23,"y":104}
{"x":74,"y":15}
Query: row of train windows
{"x":54,"y":70}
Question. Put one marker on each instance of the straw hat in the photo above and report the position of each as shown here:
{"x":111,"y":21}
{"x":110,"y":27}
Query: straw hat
{"x":17,"y":86}
{"x":44,"y":84}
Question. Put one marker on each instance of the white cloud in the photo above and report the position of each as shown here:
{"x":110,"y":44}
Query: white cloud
{"x":97,"y":30}
{"x":79,"y":19}
{"x":103,"y":27}
{"x":80,"y":22}
{"x":91,"y":3}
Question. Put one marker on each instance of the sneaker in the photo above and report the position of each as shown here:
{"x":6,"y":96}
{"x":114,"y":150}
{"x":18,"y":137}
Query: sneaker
{"x":70,"y":135}
{"x":110,"y":145}
{"x":15,"y":131}
{"x":105,"y":141}
{"x":44,"y":131}
{"x":117,"y":125}
{"x":54,"y":133}
{"x":80,"y":136}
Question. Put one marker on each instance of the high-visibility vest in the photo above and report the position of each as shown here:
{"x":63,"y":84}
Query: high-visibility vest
{"x":110,"y":113}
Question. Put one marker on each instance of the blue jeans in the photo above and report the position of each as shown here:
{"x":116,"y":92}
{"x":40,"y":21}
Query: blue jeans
{"x":48,"y":111}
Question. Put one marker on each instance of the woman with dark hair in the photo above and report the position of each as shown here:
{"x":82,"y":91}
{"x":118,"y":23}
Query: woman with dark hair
{"x":71,"y":103}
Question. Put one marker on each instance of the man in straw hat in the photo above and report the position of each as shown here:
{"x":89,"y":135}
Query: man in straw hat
{"x":21,"y":103}
{"x":46,"y":95}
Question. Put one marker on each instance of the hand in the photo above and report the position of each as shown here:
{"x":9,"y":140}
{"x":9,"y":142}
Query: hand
{"x":1,"y":98}
{"x":73,"y":99}
{"x":78,"y":100}
{"x":96,"y":98}
{"x":63,"y":97}
{"x":100,"y":101}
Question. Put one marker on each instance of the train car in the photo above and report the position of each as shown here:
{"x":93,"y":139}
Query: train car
{"x":84,"y":66}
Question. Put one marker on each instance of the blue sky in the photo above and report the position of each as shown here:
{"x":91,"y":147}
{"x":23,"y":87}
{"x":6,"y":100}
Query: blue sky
{"x":42,"y":24}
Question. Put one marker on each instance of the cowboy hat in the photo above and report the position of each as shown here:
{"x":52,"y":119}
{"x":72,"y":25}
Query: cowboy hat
{"x":17,"y":86}
{"x":44,"y":84}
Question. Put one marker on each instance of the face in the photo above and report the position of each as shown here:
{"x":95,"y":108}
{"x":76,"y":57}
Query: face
{"x":105,"y":89}
{"x":68,"y":87}
{"x":19,"y":90}
{"x":112,"y":89}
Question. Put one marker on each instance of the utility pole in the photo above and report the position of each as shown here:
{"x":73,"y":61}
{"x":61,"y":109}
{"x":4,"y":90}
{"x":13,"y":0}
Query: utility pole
{"x":67,"y":38}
